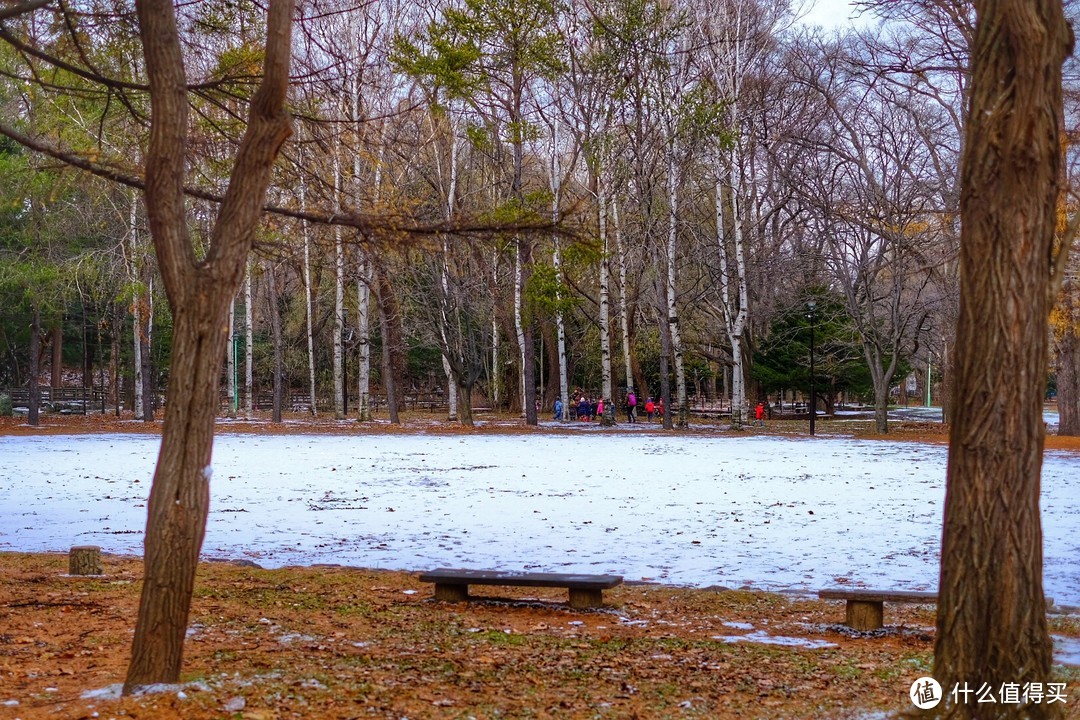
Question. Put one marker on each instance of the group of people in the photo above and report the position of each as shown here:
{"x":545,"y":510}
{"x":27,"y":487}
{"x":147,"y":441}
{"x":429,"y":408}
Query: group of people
{"x":587,"y":409}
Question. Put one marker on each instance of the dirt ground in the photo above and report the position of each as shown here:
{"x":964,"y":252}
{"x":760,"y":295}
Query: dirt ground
{"x":336,"y":642}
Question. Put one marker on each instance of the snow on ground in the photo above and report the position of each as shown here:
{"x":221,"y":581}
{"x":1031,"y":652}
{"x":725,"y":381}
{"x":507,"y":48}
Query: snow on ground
{"x":768,"y":512}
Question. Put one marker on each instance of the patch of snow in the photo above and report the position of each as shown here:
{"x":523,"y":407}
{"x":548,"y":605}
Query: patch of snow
{"x":767,"y":512}
{"x":764,"y":638}
{"x":1066,"y":650}
{"x":157,"y":689}
{"x":737,"y":625}
{"x":295,"y":637}
{"x":235,"y":704}
{"x":109,"y":692}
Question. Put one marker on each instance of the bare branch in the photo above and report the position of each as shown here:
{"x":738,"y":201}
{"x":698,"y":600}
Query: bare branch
{"x":22,"y":8}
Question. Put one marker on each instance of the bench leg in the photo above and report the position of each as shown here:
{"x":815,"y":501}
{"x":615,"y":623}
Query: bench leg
{"x":862,"y":615}
{"x":451,"y":593}
{"x":586,"y":598}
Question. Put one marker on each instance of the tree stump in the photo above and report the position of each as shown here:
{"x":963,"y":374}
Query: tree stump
{"x":85,"y":560}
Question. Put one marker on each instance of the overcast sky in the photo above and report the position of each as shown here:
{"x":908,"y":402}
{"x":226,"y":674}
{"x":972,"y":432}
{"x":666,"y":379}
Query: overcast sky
{"x":828,"y":13}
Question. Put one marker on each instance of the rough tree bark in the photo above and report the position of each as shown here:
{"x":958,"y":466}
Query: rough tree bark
{"x":991,"y":622}
{"x":199,"y":292}
{"x":1067,"y":355}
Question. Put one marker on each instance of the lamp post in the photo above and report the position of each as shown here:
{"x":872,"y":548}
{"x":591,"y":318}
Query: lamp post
{"x":812,"y":315}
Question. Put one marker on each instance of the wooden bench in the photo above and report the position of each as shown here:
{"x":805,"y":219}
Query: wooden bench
{"x":586,"y":591}
{"x":866,"y":608}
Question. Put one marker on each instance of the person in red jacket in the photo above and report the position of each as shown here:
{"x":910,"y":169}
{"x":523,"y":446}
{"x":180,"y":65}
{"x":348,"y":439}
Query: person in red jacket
{"x":759,"y":414}
{"x":650,"y":408}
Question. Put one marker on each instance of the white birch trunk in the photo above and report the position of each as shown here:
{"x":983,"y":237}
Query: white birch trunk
{"x":734,"y":302}
{"x":307,"y":298}
{"x":363,"y":284}
{"x":624,"y":306}
{"x":681,"y":411}
{"x":339,"y":295}
{"x":519,"y":324}
{"x":451,"y":384}
{"x":560,"y":323}
{"x":136,"y":305}
{"x":249,"y":345}
{"x":230,"y":355}
{"x":363,"y":329}
{"x":496,"y":386}
{"x":605,"y":309}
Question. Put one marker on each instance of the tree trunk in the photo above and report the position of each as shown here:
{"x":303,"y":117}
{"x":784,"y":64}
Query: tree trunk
{"x":1068,"y":382}
{"x":137,"y":310}
{"x":249,"y":344}
{"x":57,"y":365}
{"x":387,"y":322}
{"x":114,"y":359}
{"x":735,"y":302}
{"x":519,"y":321}
{"x":199,"y":292}
{"x":230,"y":362}
{"x":179,"y":498}
{"x":560,"y":320}
{"x":308,"y":300}
{"x":1067,"y":355}
{"x":624,"y":304}
{"x":665,"y":343}
{"x":145,"y":341}
{"x":681,"y":411}
{"x":35,"y":368}
{"x":464,"y":408}
{"x":991,"y":621}
{"x":444,"y":333}
{"x":275,"y":336}
{"x":605,"y":306}
{"x":339,"y":295}
{"x":881,"y":406}
{"x":444,"y":277}
{"x":496,"y":369}
{"x":363,"y":328}
{"x":529,"y":348}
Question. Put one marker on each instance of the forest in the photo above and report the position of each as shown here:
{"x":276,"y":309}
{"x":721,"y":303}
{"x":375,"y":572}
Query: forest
{"x":497,"y":204}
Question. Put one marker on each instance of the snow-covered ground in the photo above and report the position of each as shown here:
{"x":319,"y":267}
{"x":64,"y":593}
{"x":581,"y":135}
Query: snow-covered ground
{"x":762,"y":511}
